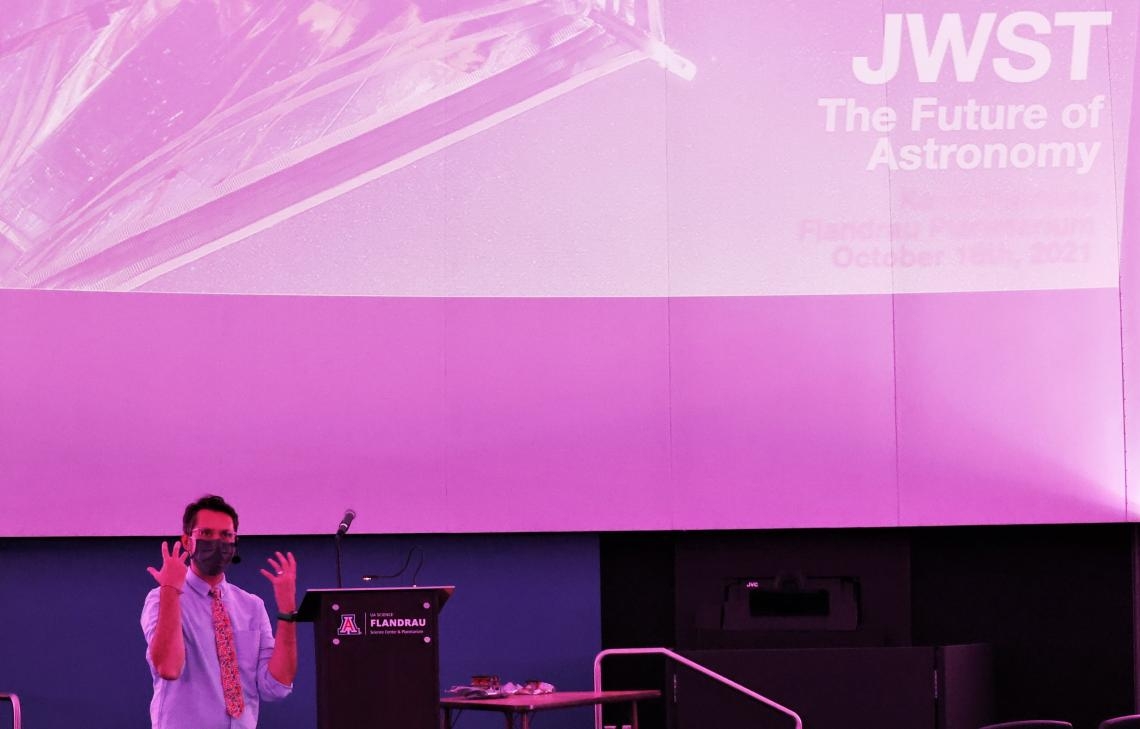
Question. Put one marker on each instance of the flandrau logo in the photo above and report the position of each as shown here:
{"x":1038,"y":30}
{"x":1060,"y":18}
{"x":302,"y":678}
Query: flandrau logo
{"x":348,"y":625}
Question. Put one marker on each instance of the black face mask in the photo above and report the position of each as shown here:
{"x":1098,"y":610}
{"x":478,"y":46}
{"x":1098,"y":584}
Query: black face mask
{"x":212,"y":556}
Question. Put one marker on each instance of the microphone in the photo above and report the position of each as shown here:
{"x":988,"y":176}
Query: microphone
{"x":345,"y":523}
{"x":341,"y":530}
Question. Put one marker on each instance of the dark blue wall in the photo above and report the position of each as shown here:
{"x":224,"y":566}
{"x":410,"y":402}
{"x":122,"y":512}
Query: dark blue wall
{"x":525,"y":606}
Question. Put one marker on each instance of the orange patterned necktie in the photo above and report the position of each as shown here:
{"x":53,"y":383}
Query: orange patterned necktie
{"x":227,"y":657}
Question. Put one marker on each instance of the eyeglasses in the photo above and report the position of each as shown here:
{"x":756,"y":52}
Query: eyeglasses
{"x":225,"y":535}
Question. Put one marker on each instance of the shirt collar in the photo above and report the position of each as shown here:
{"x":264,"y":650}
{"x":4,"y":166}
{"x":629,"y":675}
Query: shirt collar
{"x":199,"y":585}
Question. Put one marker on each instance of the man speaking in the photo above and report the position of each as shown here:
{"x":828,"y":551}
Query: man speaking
{"x":211,"y":650}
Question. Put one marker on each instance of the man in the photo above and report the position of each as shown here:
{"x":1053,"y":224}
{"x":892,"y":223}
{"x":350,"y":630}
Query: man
{"x":212,"y":654}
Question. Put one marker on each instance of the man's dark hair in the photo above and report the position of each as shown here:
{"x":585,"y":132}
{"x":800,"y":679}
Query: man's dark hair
{"x":209,"y":503}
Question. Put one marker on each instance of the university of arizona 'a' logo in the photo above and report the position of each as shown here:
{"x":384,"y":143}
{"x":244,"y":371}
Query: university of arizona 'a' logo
{"x":348,"y":625}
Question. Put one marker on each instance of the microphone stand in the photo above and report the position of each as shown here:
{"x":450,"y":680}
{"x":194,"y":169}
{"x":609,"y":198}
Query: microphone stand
{"x":341,"y":530}
{"x":338,"y":537}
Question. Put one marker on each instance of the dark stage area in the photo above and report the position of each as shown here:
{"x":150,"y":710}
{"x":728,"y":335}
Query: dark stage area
{"x":955,"y":627}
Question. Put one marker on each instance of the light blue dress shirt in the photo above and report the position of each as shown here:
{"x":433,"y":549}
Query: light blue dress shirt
{"x":194,"y":699}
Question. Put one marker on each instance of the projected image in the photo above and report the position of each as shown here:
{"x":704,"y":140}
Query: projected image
{"x":487,"y":265}
{"x":147,"y":134}
{"x":921,"y":147}
{"x":820,"y":149}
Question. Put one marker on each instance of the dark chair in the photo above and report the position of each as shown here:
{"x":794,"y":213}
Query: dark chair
{"x":1132,"y":721}
{"x":14,"y":700}
{"x":1031,"y":724}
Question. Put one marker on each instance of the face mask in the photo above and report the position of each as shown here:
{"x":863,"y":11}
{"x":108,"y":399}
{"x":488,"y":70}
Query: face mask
{"x":212,"y":556}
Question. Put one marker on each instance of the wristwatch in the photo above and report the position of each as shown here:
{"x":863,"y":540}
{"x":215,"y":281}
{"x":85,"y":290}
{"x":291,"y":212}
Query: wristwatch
{"x":288,"y":617}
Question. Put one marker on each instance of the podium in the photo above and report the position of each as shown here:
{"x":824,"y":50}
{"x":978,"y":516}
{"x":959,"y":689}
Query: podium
{"x":377,"y":656}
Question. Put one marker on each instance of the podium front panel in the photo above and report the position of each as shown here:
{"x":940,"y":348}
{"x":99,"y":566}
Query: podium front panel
{"x":378,"y":659}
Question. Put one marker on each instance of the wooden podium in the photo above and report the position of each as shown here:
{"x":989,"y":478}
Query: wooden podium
{"x":377,"y":656}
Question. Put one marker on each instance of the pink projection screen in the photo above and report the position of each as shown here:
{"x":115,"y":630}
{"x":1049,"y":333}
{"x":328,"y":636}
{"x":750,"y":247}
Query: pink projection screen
{"x":550,"y":265}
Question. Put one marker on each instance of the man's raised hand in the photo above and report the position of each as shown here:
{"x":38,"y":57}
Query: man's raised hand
{"x":283,"y":575}
{"x":173,"y":571}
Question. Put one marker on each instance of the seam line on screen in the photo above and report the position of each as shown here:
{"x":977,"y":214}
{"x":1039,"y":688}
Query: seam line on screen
{"x":1126,"y":227}
{"x":446,"y":416}
{"x":669,"y":326}
{"x":894,"y":299}
{"x":1119,"y":228}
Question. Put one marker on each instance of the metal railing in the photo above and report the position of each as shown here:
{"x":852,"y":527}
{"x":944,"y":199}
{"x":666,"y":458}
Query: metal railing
{"x":688,"y":664}
{"x":15,"y":701}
